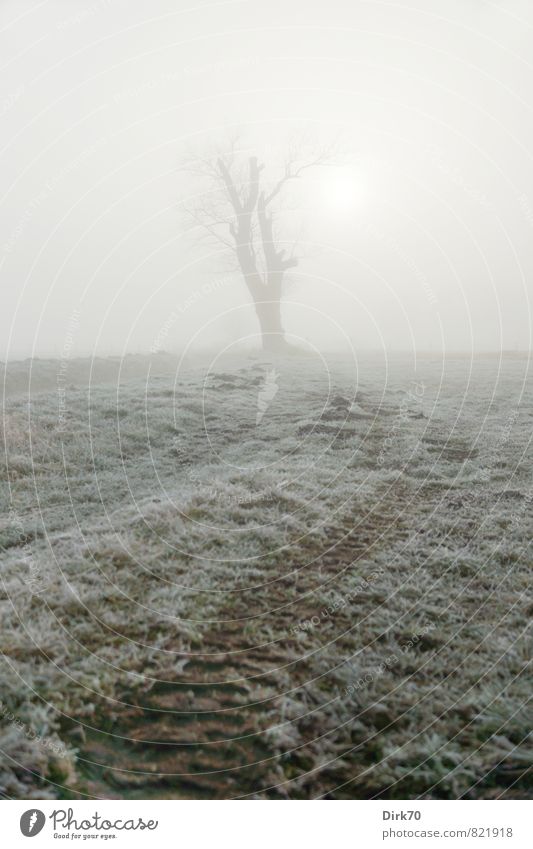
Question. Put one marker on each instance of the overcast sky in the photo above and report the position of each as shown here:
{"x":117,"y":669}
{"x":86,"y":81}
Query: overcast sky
{"x":422,"y":239}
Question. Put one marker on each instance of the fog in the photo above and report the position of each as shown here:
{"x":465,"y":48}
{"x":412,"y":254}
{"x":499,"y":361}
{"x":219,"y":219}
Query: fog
{"x":417,"y":236}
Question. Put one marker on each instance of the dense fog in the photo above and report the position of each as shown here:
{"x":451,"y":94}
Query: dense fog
{"x":414,"y":236}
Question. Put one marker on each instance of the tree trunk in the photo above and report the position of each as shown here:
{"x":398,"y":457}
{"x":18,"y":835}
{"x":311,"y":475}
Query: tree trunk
{"x":272,"y":333}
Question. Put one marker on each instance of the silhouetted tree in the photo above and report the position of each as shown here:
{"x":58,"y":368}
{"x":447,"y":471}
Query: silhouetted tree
{"x":238,"y":210}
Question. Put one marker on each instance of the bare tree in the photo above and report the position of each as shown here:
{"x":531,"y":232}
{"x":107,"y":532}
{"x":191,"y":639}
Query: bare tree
{"x":238,"y":211}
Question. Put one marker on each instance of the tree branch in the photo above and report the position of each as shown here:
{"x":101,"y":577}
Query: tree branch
{"x":230,"y":187}
{"x":253,"y":193}
{"x":276,"y":262}
{"x":292,"y":173}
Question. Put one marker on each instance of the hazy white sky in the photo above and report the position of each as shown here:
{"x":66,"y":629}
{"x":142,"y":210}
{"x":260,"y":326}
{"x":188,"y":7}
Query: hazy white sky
{"x":424,"y":241}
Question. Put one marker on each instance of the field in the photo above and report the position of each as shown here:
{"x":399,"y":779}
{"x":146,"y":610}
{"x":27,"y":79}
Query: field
{"x":263,"y":578}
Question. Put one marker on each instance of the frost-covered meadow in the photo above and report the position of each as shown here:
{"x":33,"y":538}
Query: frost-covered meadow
{"x":269,"y":578}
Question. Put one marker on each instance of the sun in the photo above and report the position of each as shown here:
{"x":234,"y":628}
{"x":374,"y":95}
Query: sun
{"x":342,"y":191}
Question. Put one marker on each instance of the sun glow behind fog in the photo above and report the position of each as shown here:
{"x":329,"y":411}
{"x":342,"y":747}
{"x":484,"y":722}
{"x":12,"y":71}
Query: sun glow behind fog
{"x":343,"y":191}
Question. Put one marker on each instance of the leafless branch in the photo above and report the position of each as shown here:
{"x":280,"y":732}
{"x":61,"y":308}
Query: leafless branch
{"x":236,"y":211}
